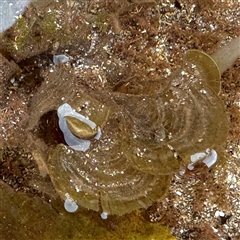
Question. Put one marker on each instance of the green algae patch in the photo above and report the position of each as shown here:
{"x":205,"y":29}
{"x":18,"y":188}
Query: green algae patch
{"x":22,"y":33}
{"x":90,"y":226}
{"x":24,"y":217}
{"x":48,"y":25}
{"x":42,"y":28}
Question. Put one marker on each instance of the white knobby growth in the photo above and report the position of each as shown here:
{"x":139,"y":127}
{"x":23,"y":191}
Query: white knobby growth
{"x":61,"y":58}
{"x":70,"y":205}
{"x":104,"y":215}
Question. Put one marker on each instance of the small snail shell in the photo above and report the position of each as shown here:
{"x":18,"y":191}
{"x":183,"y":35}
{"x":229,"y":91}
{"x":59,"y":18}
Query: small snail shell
{"x":74,"y":142}
{"x":80,"y":129}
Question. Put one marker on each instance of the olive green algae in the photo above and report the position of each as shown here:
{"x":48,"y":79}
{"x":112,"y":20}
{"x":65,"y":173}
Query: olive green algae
{"x":24,"y":217}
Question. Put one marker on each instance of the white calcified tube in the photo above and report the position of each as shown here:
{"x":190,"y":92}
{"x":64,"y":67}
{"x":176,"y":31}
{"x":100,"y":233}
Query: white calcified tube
{"x":209,"y":158}
{"x":227,"y":55}
{"x":72,"y":141}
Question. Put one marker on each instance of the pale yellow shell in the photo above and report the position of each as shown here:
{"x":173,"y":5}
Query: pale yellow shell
{"x":80,"y":129}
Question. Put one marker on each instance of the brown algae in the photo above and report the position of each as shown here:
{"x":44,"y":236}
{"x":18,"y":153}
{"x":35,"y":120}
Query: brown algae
{"x":146,"y":138}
